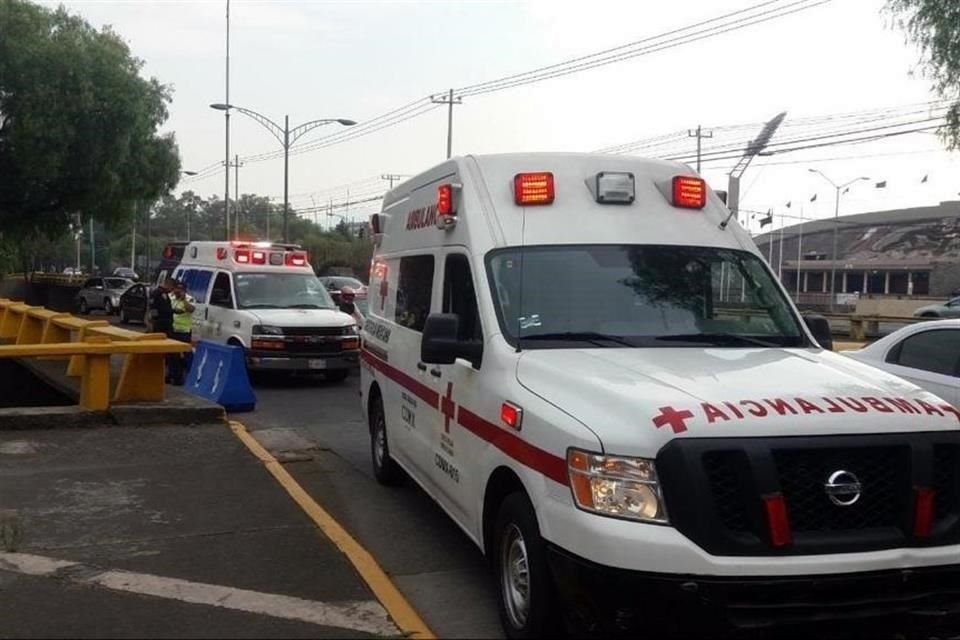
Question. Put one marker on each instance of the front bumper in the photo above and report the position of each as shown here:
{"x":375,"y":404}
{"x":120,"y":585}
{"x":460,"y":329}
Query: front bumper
{"x":267,"y":361}
{"x":604,"y":601}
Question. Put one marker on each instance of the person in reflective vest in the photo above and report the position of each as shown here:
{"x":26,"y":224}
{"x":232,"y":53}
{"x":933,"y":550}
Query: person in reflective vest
{"x":182,"y":306}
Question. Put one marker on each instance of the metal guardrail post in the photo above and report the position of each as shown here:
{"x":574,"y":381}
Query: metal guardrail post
{"x":12,"y":318}
{"x":95,"y":383}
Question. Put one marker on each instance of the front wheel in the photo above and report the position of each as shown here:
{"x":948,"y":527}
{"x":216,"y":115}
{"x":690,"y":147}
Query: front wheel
{"x":385,"y":470}
{"x":526,"y":595}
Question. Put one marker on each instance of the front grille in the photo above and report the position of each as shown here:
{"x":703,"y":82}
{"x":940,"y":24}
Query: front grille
{"x":883,"y":475}
{"x":314,"y":331}
{"x":714,"y":490}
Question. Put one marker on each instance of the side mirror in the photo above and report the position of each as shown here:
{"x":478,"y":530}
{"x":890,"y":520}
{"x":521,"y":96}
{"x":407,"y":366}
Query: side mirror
{"x":820,"y":328}
{"x":439,"y":344}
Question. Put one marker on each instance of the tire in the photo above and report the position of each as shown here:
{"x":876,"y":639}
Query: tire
{"x":108,"y":307}
{"x":82,"y":307}
{"x":929,"y":315}
{"x":526,"y":596}
{"x":338,"y":375}
{"x":385,"y":470}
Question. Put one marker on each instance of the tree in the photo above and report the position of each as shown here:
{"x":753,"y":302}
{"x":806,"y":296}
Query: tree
{"x":934,"y":26}
{"x":78,"y":125}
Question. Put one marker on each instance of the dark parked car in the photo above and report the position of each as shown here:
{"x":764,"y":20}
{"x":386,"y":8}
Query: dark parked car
{"x":335,"y":283}
{"x":134,"y":304}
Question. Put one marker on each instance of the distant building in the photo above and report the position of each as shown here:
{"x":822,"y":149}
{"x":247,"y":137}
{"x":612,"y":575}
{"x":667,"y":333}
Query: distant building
{"x":905,"y":252}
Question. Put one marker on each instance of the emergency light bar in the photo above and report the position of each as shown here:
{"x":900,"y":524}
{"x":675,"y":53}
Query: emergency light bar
{"x":615,"y":187}
{"x":447,"y":206}
{"x":298,"y":259}
{"x":532,"y":189}
{"x":689,"y":192}
{"x":259,"y":257}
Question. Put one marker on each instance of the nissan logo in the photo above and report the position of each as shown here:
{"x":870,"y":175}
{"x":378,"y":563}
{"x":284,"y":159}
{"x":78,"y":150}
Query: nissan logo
{"x":843,"y":488}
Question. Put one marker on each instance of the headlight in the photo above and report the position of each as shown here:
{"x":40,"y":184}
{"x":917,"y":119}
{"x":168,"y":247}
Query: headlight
{"x":615,"y":486}
{"x":352,"y":330}
{"x":267,"y":330}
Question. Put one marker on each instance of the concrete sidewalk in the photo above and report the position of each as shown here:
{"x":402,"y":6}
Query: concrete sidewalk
{"x":168,"y":531}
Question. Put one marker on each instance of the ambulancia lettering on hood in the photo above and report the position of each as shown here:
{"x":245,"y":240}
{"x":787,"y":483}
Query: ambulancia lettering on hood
{"x":681,"y":419}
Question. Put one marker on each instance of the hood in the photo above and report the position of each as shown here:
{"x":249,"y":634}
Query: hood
{"x":301,"y":317}
{"x":636,"y":400}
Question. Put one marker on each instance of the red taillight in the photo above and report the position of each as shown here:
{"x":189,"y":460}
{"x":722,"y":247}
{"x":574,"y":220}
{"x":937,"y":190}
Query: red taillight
{"x":533,"y":188}
{"x":511,"y":415}
{"x":296,"y":260}
{"x":259,"y":257}
{"x":689,"y":192}
{"x":221,"y":253}
{"x":778,"y":525}
{"x":924,"y":501}
{"x":242,"y":256}
{"x":445,"y":200}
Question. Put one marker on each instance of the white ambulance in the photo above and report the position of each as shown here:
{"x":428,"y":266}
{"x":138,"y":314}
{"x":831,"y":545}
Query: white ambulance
{"x":265,"y":298}
{"x":593,"y":371}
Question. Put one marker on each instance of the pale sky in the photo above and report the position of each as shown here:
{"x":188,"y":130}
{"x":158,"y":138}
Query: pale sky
{"x":358,"y":60}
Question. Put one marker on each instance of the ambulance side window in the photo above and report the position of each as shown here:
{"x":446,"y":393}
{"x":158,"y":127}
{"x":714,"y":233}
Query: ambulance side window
{"x":459,"y":297}
{"x":414,"y":289}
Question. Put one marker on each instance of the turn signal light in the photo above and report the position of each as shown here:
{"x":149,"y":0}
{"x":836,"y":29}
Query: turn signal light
{"x":778,"y":524}
{"x":531,"y":189}
{"x":924,"y":501}
{"x":350,"y":343}
{"x":689,"y":192}
{"x":276,"y":345}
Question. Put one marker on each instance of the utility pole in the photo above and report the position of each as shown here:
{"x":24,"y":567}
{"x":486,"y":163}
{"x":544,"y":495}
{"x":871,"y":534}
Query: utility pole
{"x":226,"y":160}
{"x":395,"y":177}
{"x":79,"y":237}
{"x":133,"y":237}
{"x":448,"y":100}
{"x":236,"y":164}
{"x":93,"y":250}
{"x":699,"y":134}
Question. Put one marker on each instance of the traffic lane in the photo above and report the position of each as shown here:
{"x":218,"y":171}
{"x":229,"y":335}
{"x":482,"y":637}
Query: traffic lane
{"x":317,"y":427}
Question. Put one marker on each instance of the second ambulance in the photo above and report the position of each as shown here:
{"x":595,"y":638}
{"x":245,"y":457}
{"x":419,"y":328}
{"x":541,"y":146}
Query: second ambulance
{"x":593,"y":371}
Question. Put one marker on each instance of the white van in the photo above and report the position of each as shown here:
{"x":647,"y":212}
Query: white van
{"x":265,"y":298}
{"x":593,"y":371}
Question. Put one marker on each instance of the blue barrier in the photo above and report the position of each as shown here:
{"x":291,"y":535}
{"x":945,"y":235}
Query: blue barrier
{"x":219,"y":373}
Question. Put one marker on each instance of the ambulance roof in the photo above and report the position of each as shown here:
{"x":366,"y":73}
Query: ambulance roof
{"x":488,"y":216}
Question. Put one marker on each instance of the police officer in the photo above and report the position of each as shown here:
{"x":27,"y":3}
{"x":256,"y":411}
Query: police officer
{"x":182,"y":328}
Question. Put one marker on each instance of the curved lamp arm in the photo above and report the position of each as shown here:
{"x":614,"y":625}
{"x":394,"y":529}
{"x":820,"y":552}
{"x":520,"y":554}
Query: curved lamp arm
{"x":301,"y":130}
{"x":264,"y":121}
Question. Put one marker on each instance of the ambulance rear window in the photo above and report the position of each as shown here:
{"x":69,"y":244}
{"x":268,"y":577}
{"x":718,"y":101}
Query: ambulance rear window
{"x":639,"y":296}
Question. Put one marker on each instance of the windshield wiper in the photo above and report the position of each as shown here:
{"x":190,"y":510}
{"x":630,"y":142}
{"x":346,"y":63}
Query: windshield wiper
{"x":260,"y":306}
{"x":593,"y":337}
{"x":306,"y":305}
{"x":718,"y":339}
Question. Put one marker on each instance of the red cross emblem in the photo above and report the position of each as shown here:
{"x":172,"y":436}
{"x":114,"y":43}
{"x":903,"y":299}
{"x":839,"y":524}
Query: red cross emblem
{"x":383,"y":292}
{"x":676,"y":419}
{"x":448,"y":407}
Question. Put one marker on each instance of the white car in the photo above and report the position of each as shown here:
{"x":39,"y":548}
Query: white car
{"x":927,"y":354}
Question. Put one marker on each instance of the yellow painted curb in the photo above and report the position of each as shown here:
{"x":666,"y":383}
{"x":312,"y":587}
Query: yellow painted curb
{"x":403,"y":614}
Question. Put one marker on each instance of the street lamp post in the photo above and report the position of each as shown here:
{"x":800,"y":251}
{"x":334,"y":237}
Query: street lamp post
{"x":190,"y":209}
{"x":286,"y":137}
{"x":836,"y":226}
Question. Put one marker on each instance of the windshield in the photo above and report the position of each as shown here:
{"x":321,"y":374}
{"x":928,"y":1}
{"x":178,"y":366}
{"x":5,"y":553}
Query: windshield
{"x":116,"y":283}
{"x":281,"y":291}
{"x":638,"y":296}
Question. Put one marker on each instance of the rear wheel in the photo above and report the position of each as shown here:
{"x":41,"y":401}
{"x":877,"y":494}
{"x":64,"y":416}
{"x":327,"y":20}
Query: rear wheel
{"x":526,"y":595}
{"x":386,"y":471}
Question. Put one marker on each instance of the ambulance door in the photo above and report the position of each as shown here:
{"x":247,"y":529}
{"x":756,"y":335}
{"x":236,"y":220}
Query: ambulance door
{"x":455,"y":449}
{"x":411,"y":396}
{"x":218,"y":313}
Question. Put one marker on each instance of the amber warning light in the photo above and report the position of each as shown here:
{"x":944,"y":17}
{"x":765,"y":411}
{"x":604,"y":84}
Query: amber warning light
{"x":689,"y":192}
{"x":531,"y":189}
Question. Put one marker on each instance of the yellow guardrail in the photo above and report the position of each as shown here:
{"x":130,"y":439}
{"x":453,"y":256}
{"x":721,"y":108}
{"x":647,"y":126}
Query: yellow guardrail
{"x":35,"y":332}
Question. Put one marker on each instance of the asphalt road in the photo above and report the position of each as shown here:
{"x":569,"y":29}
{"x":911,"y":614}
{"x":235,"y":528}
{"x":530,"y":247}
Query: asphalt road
{"x":316,"y":428}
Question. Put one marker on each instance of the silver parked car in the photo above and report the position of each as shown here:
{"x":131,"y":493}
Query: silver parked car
{"x":949,"y":309}
{"x":102,"y":293}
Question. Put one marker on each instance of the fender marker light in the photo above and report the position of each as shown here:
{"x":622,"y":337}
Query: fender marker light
{"x":511,"y":415}
{"x":778,"y":524}
{"x":689,"y":192}
{"x":531,"y":189}
{"x":615,"y":187}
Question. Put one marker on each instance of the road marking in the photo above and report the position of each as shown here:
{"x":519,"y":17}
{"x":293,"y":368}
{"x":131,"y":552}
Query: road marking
{"x":365,"y":616}
{"x":402,"y":612}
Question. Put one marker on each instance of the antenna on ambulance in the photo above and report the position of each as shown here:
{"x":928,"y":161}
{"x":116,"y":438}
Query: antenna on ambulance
{"x":754,"y":147}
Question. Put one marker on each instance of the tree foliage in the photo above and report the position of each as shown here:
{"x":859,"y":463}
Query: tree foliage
{"x":934,"y":26}
{"x":78,"y":124}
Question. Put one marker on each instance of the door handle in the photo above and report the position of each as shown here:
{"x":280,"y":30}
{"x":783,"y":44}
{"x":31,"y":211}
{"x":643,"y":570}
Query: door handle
{"x":421,"y":366}
{"x":435,"y":373}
